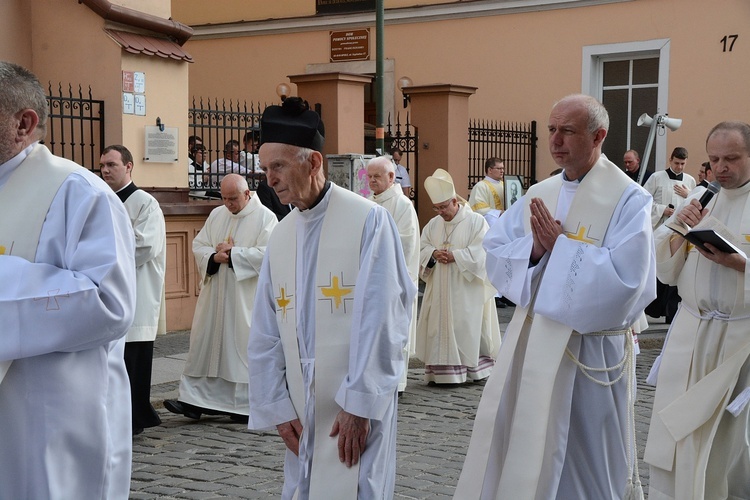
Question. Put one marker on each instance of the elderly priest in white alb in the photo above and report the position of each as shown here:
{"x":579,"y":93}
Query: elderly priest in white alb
{"x":229,"y":251}
{"x":457,"y":332}
{"x":386,"y":192}
{"x":330,"y":322}
{"x":555,"y":420}
{"x":68,"y":297}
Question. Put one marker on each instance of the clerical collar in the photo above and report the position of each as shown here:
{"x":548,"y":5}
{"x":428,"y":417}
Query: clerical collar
{"x":673,"y":176}
{"x":565,"y":177}
{"x":491,"y":180}
{"x":323,"y":192}
{"x":125,"y":192}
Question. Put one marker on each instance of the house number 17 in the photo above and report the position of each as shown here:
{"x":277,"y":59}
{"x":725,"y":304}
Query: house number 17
{"x":728,"y":42}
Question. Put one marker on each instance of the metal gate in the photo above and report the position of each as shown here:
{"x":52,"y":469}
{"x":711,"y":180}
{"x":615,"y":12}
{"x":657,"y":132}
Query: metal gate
{"x":512,"y":142}
{"x":216,"y":125}
{"x":75,"y":126}
{"x":405,"y":137}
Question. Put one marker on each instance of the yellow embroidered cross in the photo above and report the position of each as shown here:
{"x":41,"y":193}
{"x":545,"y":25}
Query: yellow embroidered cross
{"x":335,"y":292}
{"x":283,"y":301}
{"x":3,"y":249}
{"x":579,"y":236}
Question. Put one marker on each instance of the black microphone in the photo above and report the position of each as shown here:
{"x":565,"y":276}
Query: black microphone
{"x":711,"y":190}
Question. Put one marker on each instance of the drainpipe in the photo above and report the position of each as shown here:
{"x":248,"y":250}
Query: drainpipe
{"x":181,"y":33}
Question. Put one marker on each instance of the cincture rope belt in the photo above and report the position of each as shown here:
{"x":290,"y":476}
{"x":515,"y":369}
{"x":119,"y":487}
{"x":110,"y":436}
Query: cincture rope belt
{"x":586,"y":370}
{"x":705,"y":315}
{"x":634,"y":489}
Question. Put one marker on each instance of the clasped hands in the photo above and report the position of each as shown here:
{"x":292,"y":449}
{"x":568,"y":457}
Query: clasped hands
{"x":443,"y":256}
{"x":222,"y":251}
{"x":691,"y":214}
{"x":544,"y":229}
{"x":351,"y":430}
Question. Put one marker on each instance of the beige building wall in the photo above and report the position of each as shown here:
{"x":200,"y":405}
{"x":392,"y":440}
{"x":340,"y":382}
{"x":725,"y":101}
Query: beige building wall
{"x":520,"y":62}
{"x":15,"y":44}
{"x":166,"y":98}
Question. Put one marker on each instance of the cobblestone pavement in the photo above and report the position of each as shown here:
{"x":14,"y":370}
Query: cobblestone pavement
{"x":214,"y":458}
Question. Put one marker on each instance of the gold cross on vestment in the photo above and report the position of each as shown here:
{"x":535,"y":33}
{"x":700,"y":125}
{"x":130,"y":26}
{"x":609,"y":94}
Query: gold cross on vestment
{"x":335,"y":291}
{"x":3,"y":249}
{"x":53,"y":295}
{"x":283,"y":301}
{"x":579,"y":236}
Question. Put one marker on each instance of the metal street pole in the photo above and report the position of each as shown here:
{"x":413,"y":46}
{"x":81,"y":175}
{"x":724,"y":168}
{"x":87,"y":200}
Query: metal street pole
{"x":379,"y":112}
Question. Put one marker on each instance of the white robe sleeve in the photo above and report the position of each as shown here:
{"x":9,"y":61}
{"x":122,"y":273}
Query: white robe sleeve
{"x":408,"y":230}
{"x":479,"y":198}
{"x":246,"y":261}
{"x":149,"y":228}
{"x":380,"y":321}
{"x":270,"y":402}
{"x":202,"y":247}
{"x":471,"y":260}
{"x":508,"y":251}
{"x":426,"y":249}
{"x":657,"y":208}
{"x":668,"y":266}
{"x":81,"y":292}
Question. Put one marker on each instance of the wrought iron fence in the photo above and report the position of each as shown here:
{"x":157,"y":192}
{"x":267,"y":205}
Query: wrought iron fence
{"x":405,"y":137}
{"x":512,"y":142}
{"x":75,"y":127}
{"x":230,"y":135}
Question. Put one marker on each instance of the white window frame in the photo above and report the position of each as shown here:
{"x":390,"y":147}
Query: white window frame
{"x":592,"y":76}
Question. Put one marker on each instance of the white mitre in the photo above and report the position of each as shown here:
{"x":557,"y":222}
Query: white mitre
{"x":439,"y":186}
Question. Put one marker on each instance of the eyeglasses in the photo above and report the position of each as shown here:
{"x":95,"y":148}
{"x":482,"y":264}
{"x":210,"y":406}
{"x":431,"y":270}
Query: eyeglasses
{"x":497,"y":168}
{"x":443,"y":207}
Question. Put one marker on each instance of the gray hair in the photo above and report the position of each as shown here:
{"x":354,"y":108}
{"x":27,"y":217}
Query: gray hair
{"x":385,"y":161}
{"x":22,"y":90}
{"x":302,"y":153}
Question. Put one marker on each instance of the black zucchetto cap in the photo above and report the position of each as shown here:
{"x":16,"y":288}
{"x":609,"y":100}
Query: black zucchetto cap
{"x":293,"y":123}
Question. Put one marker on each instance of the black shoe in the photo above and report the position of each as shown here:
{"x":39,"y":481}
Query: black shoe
{"x":499,"y":303}
{"x":239,"y":419}
{"x":137,"y":431}
{"x":181,"y":408}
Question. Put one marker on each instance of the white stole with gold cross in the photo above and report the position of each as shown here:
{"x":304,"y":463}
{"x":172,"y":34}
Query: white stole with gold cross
{"x":336,"y":274}
{"x":588,"y":219}
{"x":38,"y":178}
